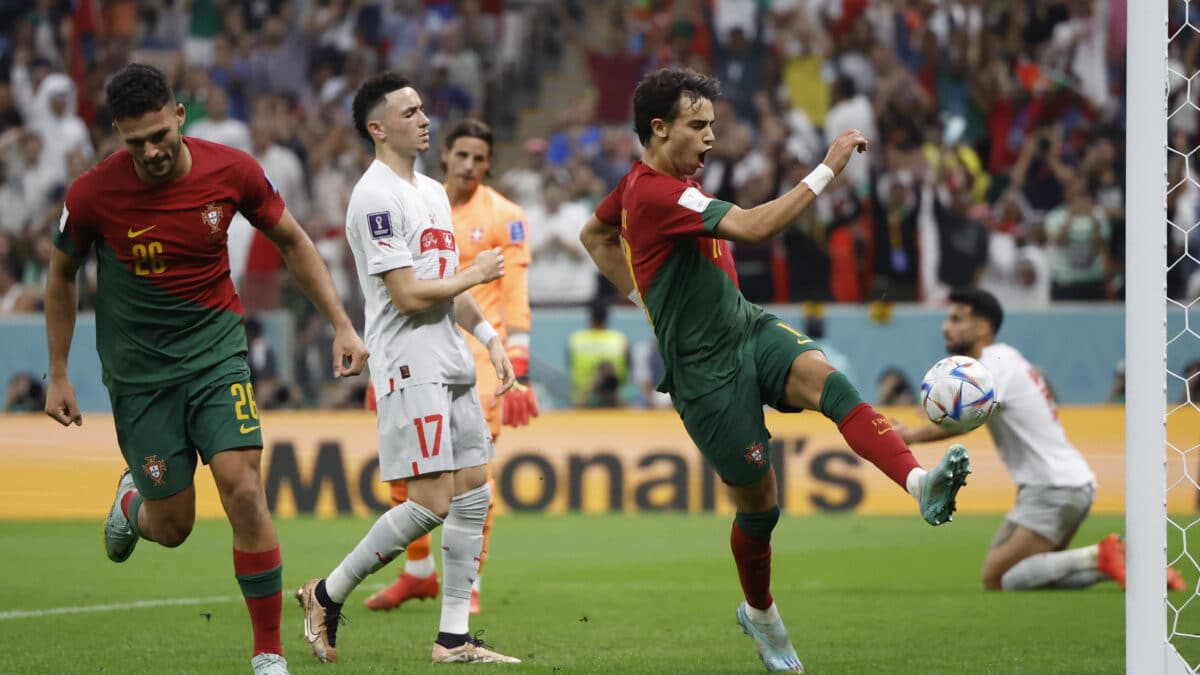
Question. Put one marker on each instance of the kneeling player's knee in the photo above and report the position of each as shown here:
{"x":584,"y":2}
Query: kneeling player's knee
{"x":991,"y":582}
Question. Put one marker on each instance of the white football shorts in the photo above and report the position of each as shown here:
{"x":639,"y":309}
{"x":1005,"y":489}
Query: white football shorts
{"x":428,"y":428}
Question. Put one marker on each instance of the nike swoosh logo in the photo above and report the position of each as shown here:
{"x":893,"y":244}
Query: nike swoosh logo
{"x":133,"y":234}
{"x":877,"y":433}
{"x":245,"y":429}
{"x":803,"y":342}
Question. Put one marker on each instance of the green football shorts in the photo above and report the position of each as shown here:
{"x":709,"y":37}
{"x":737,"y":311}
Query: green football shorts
{"x":162,"y":431}
{"x":727,"y":423}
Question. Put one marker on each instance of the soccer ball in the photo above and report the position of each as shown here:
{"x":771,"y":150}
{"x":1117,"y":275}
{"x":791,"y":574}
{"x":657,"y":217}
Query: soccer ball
{"x":957,"y":394}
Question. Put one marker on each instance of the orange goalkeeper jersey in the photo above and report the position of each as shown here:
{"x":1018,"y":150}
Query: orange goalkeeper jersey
{"x":486,"y":221}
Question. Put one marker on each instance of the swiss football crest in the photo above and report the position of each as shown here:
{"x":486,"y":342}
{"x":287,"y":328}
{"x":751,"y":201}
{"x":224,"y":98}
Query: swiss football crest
{"x":155,"y":469}
{"x":212,"y":215}
{"x":755,"y":454}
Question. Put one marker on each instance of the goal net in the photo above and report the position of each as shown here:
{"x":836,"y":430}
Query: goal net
{"x":1162,"y":334}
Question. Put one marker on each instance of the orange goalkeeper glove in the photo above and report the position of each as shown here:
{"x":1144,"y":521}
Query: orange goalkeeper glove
{"x":519,"y":402}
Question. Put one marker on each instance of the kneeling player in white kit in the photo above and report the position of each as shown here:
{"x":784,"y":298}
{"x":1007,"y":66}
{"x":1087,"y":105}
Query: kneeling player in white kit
{"x":1055,"y":485}
{"x":431,"y":427}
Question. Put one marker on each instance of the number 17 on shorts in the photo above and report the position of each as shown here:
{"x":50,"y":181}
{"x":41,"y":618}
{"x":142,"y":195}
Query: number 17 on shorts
{"x":429,"y":428}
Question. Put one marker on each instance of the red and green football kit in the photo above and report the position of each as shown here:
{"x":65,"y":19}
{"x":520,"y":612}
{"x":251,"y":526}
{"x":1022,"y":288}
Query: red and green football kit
{"x":169,"y":328}
{"x":725,"y":357}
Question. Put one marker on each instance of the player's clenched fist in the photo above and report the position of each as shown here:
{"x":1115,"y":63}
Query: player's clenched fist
{"x":490,"y":264}
{"x":843,"y":146}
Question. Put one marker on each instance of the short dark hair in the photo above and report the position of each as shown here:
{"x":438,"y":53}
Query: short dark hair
{"x":469,"y":129}
{"x":658,"y":94}
{"x":370,"y":94}
{"x":982,"y":304}
{"x":137,"y":89}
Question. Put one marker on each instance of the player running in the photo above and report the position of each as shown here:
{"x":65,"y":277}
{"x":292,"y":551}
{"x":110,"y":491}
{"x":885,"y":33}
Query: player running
{"x":483,"y":220}
{"x":431,"y":427}
{"x":170,"y":335}
{"x":660,"y":239}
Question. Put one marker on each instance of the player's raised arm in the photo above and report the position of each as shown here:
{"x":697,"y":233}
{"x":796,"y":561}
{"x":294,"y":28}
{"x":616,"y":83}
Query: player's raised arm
{"x":411,"y":295}
{"x":756,"y":225}
{"x":603,"y":243}
{"x":62,"y":301}
{"x":307,"y":267}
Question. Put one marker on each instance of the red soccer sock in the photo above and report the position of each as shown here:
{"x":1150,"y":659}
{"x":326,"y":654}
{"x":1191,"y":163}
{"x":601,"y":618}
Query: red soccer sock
{"x":260,"y":576}
{"x":125,"y":501}
{"x":871,"y":436}
{"x":753,"y":558}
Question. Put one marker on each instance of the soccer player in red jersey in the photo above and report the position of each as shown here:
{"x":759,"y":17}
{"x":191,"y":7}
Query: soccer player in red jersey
{"x":170,"y":335}
{"x":661,"y":240}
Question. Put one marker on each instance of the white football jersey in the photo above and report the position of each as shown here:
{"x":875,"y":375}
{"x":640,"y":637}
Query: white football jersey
{"x":1025,"y":428}
{"x":390,"y":224}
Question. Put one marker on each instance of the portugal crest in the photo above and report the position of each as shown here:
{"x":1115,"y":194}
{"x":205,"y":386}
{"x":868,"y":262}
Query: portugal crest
{"x":155,"y":469}
{"x":755,"y":454}
{"x":212,"y":215}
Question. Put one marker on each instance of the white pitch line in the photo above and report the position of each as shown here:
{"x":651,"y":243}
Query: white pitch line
{"x":114,"y":607}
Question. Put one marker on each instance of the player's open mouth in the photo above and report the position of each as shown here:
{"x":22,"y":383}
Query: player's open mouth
{"x":704,"y":155}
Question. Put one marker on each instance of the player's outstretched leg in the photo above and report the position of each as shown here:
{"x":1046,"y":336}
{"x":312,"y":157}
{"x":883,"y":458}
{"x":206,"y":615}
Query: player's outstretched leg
{"x":770,"y":637}
{"x":120,"y":536}
{"x":321,"y":618}
{"x":938,"y":488}
{"x":269,"y":664}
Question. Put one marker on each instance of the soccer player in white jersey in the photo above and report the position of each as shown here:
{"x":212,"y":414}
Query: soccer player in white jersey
{"x":431,"y":427}
{"x":1055,"y":485}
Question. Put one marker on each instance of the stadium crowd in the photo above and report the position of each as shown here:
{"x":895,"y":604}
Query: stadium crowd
{"x":997,"y":131}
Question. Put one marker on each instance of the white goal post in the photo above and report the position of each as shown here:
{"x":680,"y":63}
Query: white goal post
{"x":1148,"y":632}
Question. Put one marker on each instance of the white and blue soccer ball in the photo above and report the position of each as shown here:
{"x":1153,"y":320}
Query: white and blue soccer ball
{"x":958,"y":394}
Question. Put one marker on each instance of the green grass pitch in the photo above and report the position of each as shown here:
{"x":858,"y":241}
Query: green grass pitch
{"x":571,"y":594}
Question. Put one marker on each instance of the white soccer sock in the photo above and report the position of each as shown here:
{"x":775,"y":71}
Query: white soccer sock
{"x":386,"y":539}
{"x":1047,"y":569}
{"x":913,"y":482}
{"x":462,"y":544}
{"x":763,"y":616}
{"x":423,"y":568}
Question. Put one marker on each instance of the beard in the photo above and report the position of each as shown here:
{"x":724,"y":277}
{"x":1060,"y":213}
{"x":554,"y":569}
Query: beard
{"x":959,"y":348}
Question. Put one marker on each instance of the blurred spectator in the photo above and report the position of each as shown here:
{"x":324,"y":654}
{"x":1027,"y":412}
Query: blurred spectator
{"x":893,"y":388}
{"x":1078,"y":233}
{"x":599,"y":361}
{"x":523,"y":182}
{"x":217,"y":126}
{"x":25,"y":394}
{"x":614,"y":64}
{"x":15,"y":208}
{"x":558,"y":272}
{"x":15,"y":297}
{"x":283,"y":167}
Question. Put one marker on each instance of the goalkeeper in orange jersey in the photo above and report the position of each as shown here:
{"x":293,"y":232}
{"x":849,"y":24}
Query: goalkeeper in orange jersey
{"x":483,"y":219}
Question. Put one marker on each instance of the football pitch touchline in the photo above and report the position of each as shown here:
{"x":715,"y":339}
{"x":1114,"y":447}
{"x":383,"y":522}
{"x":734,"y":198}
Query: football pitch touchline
{"x":114,"y":607}
{"x":137,"y":604}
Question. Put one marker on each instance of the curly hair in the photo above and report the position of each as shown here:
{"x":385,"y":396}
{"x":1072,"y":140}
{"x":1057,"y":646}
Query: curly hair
{"x":137,"y":89}
{"x":658,"y":94}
